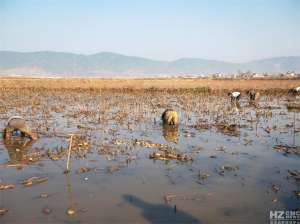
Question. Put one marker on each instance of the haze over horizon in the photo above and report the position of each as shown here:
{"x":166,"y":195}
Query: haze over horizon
{"x":137,"y":56}
{"x":231,"y":31}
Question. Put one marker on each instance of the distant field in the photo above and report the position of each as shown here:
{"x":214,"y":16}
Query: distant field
{"x":152,"y":84}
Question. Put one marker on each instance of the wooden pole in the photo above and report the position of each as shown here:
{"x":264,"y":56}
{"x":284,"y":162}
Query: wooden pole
{"x":69,"y":153}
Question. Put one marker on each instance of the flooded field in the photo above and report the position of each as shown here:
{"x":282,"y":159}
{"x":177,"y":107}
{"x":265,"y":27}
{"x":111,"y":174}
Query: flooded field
{"x":224,"y":163}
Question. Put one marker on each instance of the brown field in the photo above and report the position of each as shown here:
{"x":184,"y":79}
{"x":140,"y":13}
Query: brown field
{"x":154,"y":84}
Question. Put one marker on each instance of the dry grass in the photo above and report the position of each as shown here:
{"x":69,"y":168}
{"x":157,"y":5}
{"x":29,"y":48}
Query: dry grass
{"x":201,"y":85}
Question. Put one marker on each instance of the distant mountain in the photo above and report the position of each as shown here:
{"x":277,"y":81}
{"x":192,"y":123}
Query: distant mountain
{"x":47,"y":63}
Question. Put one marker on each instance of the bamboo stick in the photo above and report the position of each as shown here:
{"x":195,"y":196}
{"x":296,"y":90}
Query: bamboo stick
{"x":69,"y":153}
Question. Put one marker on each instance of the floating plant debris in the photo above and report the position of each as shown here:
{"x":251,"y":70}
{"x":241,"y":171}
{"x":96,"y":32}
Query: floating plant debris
{"x":33,"y":181}
{"x":6,"y":186}
{"x":166,"y":155}
{"x":3,"y":211}
{"x":286,"y":149}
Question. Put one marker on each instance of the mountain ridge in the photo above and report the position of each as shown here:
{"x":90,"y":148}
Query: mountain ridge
{"x":113,"y":64}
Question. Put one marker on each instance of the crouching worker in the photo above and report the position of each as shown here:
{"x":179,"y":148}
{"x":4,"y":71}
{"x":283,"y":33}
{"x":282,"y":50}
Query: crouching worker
{"x":18,"y":124}
{"x":253,"y":95}
{"x":170,"y":117}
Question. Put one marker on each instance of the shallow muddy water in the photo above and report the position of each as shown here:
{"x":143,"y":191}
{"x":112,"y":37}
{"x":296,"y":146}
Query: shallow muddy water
{"x":243,"y":159}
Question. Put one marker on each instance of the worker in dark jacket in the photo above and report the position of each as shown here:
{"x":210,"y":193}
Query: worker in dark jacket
{"x":253,"y":95}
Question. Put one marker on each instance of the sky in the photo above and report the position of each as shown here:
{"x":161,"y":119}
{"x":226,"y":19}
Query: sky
{"x":228,"y":30}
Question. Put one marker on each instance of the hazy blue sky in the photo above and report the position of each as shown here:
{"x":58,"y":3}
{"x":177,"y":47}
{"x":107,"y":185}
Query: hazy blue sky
{"x":230,"y":30}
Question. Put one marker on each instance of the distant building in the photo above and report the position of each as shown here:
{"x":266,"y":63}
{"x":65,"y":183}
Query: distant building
{"x":291,"y":74}
{"x":258,"y":75}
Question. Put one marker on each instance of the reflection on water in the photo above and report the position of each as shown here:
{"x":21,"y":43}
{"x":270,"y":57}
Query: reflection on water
{"x":17,"y":149}
{"x":71,"y":203}
{"x":170,"y":132}
{"x":254,"y":103}
{"x":236,"y":105}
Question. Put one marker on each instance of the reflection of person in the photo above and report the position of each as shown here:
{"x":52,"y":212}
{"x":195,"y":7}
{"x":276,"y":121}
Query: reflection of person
{"x":293,"y":107}
{"x":17,"y":123}
{"x":170,"y":133}
{"x":236,"y":106}
{"x":17,"y":150}
{"x":254,"y":104}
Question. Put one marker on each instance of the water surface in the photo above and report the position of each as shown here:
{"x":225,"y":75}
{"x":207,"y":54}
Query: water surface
{"x":235,"y":176}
